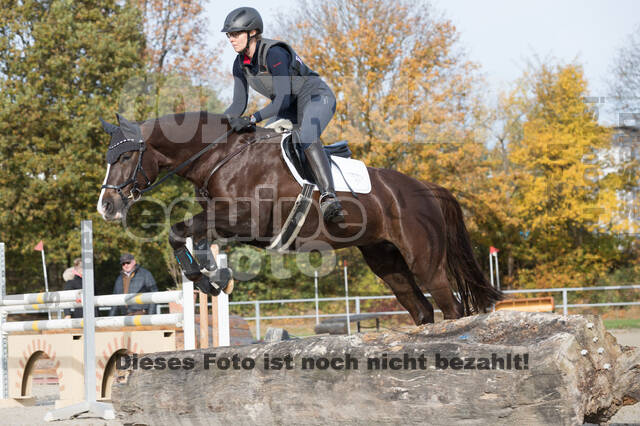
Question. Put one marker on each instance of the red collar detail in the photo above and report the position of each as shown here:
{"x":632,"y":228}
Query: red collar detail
{"x":246,"y":60}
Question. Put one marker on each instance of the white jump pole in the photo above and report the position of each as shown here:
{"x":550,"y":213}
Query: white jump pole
{"x":105,"y":300}
{"x":89,"y":404}
{"x":188,"y":308}
{"x":224,"y":336}
{"x":103,"y":322}
{"x":41,"y":298}
{"x":89,"y":329}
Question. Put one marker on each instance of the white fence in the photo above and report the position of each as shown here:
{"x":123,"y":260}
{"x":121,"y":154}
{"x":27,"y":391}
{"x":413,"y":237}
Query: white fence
{"x":357,"y":300}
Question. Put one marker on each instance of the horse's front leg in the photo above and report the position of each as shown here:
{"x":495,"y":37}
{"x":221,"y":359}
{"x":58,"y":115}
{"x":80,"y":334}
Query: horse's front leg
{"x":201,"y":268}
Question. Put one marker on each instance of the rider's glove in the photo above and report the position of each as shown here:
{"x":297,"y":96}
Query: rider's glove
{"x":242,"y":124}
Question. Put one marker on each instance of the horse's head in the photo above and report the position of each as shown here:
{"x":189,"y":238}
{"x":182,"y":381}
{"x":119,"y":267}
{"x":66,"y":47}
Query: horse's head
{"x":126,"y":176}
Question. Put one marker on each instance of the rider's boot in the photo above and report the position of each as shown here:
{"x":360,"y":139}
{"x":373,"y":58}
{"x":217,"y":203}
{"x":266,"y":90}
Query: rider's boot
{"x":329,"y":204}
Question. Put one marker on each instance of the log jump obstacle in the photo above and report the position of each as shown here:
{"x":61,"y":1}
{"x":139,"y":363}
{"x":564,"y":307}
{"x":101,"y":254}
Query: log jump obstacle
{"x":72,"y":343}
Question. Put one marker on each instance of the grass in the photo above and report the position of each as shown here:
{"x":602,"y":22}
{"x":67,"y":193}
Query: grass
{"x":622,"y":323}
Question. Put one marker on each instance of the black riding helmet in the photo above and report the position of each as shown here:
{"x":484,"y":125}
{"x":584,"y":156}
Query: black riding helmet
{"x":243,"y":19}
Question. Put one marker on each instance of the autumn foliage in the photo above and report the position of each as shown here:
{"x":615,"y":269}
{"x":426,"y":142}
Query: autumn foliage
{"x":532,"y":171}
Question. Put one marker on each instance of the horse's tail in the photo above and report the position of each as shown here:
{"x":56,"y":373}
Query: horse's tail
{"x":475,"y":292}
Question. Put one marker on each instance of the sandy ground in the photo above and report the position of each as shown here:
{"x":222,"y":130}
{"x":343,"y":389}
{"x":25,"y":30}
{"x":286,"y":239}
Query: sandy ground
{"x":46,"y":394}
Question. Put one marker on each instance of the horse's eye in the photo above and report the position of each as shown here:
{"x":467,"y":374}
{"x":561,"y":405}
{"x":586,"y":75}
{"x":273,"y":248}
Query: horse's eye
{"x":125,"y":157}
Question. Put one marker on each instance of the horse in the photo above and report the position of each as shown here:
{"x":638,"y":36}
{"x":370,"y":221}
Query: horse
{"x":411,"y":233}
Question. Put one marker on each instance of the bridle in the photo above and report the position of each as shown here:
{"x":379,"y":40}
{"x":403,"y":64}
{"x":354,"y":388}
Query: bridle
{"x":136,"y":192}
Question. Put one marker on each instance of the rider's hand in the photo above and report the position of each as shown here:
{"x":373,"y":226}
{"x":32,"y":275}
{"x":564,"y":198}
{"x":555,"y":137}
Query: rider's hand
{"x":242,"y":124}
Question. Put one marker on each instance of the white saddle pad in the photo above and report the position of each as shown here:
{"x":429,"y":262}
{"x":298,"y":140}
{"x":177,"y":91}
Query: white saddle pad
{"x":354,"y":171}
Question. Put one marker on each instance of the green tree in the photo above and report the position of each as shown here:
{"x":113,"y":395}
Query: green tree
{"x":179,"y":65}
{"x":63,"y":64}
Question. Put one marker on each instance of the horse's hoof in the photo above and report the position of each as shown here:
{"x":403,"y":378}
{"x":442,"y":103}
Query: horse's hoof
{"x":205,"y":286}
{"x":223,"y":279}
{"x":229,"y":288}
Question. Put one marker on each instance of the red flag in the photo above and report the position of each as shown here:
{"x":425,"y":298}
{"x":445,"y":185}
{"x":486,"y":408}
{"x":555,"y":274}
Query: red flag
{"x":492,"y":250}
{"x":39,"y":246}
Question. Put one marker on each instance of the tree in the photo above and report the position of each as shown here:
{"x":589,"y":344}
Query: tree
{"x":403,"y":94}
{"x":176,"y":38}
{"x":625,"y":84}
{"x":407,"y":95}
{"x":179,"y":61}
{"x":565,"y":205}
{"x":625,"y":90}
{"x":179,"y":66}
{"x":63,"y":64}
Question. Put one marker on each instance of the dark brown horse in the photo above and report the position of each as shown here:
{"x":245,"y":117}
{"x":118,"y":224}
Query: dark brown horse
{"x":410,"y":233}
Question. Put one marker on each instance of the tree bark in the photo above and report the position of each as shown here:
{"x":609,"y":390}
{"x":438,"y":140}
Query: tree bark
{"x":502,"y":368}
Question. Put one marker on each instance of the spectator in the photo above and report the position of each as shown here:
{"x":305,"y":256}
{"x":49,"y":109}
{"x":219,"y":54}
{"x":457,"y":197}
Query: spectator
{"x":68,"y":274}
{"x":133,"y":279}
{"x":73,"y":281}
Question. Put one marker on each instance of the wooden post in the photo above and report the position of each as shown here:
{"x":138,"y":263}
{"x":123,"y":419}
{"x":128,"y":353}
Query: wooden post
{"x":215,"y":335}
{"x":204,"y":320}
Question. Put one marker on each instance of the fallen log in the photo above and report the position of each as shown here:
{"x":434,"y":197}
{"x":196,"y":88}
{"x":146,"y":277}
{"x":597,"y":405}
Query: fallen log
{"x":503,"y":367}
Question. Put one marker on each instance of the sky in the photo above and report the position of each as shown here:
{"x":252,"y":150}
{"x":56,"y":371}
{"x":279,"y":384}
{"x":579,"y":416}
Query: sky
{"x":502,"y":35}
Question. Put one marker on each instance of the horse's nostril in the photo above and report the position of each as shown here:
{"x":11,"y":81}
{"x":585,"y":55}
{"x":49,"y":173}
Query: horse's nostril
{"x":107,"y":207}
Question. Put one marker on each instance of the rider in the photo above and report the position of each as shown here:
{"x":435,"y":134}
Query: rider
{"x":297,"y":93}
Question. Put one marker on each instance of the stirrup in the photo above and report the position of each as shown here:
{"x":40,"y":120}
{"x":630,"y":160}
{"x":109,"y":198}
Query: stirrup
{"x":331,"y":208}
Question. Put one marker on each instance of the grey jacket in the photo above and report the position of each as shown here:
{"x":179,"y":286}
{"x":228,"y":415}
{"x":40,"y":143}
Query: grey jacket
{"x":141,"y":282}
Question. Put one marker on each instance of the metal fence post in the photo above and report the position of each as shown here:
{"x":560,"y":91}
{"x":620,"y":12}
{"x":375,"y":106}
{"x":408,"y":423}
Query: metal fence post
{"x":565,"y":310}
{"x":491,"y":269}
{"x":257,"y":320}
{"x":346,"y":298}
{"x":315,"y":282}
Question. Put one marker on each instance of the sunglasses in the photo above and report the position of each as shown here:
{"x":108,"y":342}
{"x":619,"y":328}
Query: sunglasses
{"x":126,"y":263}
{"x":234,"y":34}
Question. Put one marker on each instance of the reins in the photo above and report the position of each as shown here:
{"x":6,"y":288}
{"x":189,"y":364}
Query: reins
{"x":135,"y":193}
{"x":185,"y":163}
{"x":203,"y":191}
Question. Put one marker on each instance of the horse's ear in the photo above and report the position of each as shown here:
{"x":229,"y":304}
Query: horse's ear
{"x":131,"y":130}
{"x":120,"y":118}
{"x":108,"y":127}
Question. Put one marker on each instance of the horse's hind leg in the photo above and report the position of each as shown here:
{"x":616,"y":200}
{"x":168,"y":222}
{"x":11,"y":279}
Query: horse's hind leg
{"x":385,"y":261}
{"x":440,"y":290}
{"x":423,"y":246}
{"x":436,"y":283}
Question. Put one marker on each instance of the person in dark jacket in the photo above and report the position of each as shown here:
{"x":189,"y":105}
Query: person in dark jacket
{"x":133,"y":279}
{"x":297,"y":93}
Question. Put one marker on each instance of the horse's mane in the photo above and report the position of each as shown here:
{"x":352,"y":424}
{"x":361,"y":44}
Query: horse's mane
{"x":179,"y":117}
